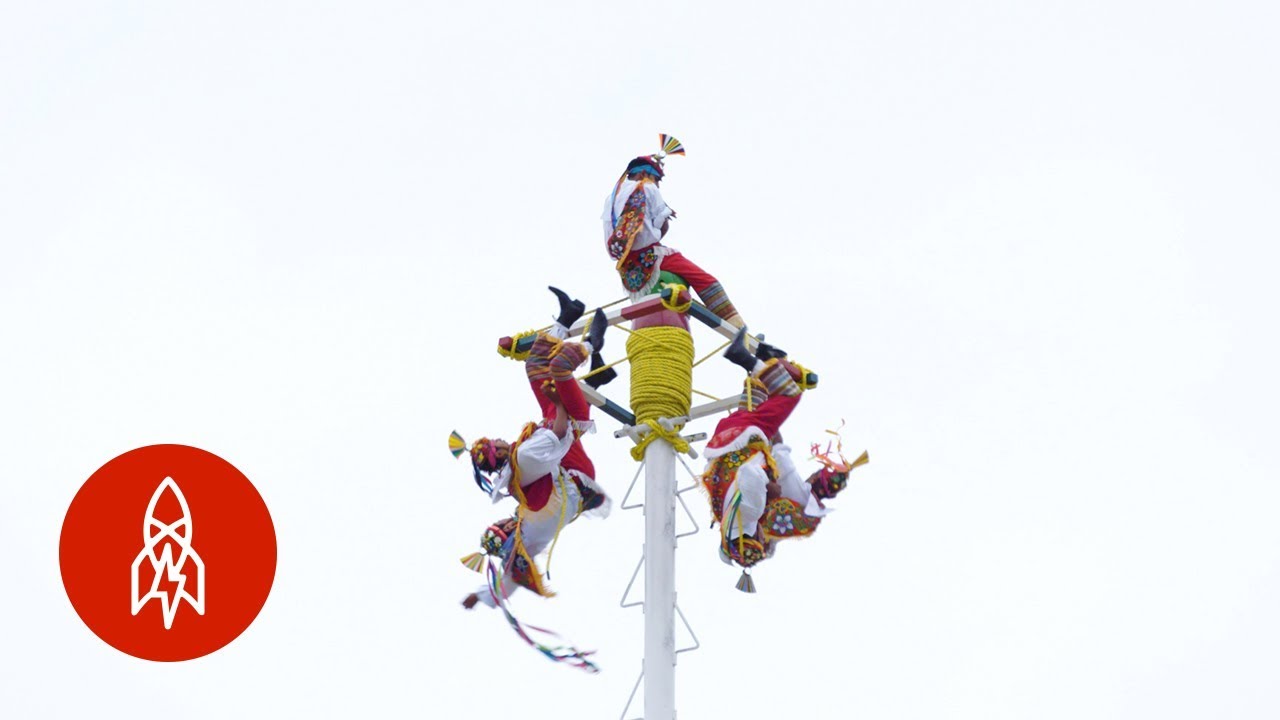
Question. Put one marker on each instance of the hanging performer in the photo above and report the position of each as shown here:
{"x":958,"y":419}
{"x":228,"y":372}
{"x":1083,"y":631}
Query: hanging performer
{"x":756,"y":491}
{"x":636,"y":219}
{"x":546,"y":468}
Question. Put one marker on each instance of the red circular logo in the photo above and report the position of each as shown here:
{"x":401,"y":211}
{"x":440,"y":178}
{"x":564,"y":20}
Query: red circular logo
{"x":167,"y":552}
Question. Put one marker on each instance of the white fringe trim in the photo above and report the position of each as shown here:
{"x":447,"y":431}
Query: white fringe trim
{"x":748,"y":433}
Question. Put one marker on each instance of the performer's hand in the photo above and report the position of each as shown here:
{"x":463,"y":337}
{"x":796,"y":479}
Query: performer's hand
{"x":549,"y":389}
{"x":772,"y":491}
{"x":470,"y":601}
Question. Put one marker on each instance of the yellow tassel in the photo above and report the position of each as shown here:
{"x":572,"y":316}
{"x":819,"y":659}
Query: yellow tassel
{"x":863,"y":459}
{"x":474,"y":561}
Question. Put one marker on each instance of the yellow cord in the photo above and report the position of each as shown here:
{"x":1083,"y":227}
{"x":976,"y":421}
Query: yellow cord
{"x":515,"y":341}
{"x":713,"y":352}
{"x":634,"y":334}
{"x":657,"y":431}
{"x":741,"y":542}
{"x":564,"y":504}
{"x":601,"y":369}
{"x":706,"y":395}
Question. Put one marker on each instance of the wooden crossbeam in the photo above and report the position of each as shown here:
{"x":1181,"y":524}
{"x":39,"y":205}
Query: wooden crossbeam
{"x":645,"y":307}
{"x":616,"y":316}
{"x":607,"y":406}
{"x":699,"y":312}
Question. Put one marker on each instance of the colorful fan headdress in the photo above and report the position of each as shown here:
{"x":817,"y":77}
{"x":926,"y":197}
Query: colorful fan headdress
{"x":670,"y":146}
{"x":457,"y":445}
{"x":484,"y":458}
{"x":651,"y":164}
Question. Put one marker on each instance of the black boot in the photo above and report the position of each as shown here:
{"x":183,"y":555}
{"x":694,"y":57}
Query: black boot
{"x":738,"y":354}
{"x":601,"y":378}
{"x":766,"y":352}
{"x":595,"y":336}
{"x":570,"y":309}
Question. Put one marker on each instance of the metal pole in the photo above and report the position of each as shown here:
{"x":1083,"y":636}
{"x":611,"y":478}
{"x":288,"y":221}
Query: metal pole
{"x":659,"y":581}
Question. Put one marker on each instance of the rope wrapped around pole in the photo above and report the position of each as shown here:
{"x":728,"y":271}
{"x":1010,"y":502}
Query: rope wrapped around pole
{"x":661,"y":381}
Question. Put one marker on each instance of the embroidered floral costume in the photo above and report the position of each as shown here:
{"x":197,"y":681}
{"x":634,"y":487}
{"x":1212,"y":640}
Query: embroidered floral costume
{"x":635,"y":221}
{"x":745,"y":457}
{"x":550,"y":475}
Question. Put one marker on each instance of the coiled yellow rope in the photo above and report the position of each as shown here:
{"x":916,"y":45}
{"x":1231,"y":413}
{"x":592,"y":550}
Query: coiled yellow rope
{"x":661,"y":381}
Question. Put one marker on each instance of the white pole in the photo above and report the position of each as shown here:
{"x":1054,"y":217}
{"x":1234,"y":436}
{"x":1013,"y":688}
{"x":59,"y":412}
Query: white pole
{"x":659,"y":581}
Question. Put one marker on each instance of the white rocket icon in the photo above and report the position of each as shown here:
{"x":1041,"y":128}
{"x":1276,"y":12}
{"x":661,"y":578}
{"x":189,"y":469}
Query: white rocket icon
{"x":168,"y":583}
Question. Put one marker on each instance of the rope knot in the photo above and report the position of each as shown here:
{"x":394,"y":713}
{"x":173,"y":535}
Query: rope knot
{"x":657,"y":431}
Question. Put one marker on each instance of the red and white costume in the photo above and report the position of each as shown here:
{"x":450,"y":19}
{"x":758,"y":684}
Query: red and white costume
{"x":634,"y":218}
{"x":550,"y":476}
{"x":742,"y":460}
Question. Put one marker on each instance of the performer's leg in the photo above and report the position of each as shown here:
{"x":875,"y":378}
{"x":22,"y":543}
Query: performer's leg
{"x":753,"y":394}
{"x":538,"y":364}
{"x":709,"y":289}
{"x":784,"y":395}
{"x":567,"y":358}
{"x":538,"y":368}
{"x":570,"y":356}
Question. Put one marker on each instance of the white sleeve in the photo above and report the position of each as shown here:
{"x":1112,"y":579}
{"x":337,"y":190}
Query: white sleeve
{"x":794,"y":487}
{"x":656,"y":209}
{"x":607,"y":217}
{"x":541,"y":454}
{"x":751,"y":481}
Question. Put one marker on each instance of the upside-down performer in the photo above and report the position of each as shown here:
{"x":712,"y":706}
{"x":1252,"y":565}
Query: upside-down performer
{"x":756,"y":492}
{"x":636,"y":219}
{"x":545,"y":469}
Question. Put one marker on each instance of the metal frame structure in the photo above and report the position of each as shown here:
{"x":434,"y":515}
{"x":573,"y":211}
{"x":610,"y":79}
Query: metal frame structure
{"x":658,"y":561}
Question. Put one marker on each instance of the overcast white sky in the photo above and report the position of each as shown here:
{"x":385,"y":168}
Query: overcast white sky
{"x":1030,"y":247}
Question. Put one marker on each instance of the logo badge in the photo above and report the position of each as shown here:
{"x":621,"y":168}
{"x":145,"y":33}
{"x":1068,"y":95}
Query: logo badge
{"x":168,"y":593}
{"x":168,"y":584}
